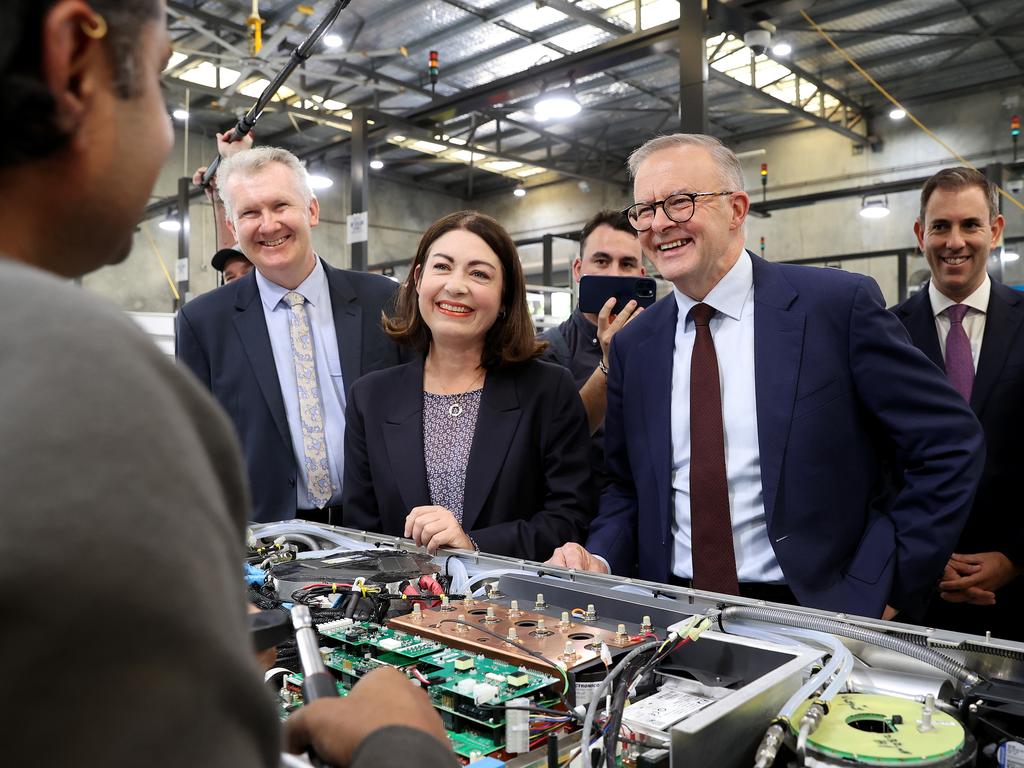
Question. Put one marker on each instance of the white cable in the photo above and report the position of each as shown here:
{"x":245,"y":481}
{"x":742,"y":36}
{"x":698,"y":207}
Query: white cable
{"x":272,"y":673}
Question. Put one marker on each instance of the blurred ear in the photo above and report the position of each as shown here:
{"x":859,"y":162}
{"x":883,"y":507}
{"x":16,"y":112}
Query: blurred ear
{"x":740,"y":207}
{"x":997,"y":230}
{"x":919,"y":231}
{"x":577,"y":269}
{"x":74,"y":61}
{"x":314,"y":211}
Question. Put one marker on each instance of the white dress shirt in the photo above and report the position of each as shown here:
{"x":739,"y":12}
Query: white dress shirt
{"x":732,"y":328}
{"x":974,"y":320}
{"x":328,"y":371}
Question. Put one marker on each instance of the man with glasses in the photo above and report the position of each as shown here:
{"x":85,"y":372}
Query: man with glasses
{"x":750,"y":415}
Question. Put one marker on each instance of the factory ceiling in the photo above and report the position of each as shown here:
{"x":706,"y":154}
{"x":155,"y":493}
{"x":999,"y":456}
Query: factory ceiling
{"x":475,"y":129}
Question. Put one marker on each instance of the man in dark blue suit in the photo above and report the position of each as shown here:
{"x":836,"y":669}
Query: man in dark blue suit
{"x":280,"y":347}
{"x":753,"y":412}
{"x":970,"y":326}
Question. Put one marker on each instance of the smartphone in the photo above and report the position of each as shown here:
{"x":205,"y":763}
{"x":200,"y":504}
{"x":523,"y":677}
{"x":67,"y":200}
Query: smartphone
{"x":595,"y":290}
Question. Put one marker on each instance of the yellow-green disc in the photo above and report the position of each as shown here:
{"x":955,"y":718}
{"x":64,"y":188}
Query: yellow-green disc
{"x":861,"y":727}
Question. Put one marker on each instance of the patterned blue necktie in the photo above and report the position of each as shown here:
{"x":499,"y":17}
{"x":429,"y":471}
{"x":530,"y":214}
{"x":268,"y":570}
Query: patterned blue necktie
{"x":311,"y":412}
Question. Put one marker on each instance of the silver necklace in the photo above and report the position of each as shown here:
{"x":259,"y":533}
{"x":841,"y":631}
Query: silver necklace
{"x":455,"y":409}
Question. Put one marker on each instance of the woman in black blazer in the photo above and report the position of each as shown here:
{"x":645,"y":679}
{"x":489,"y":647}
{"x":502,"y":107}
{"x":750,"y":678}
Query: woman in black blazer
{"x":476,"y":443}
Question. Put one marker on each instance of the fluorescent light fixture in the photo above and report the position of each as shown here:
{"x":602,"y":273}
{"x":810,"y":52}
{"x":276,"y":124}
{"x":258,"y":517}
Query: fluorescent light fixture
{"x":1008,"y":256}
{"x":180,"y":114}
{"x":874,"y":207}
{"x":333,"y":41}
{"x":427,"y":146}
{"x":255,"y":89}
{"x":205,"y":73}
{"x":556,"y":105}
{"x":176,"y":58}
{"x":897,"y":114}
{"x":319,"y":181}
{"x":529,"y":171}
{"x":519,"y":191}
{"x":376,"y":164}
{"x":503,"y":166}
{"x":170,"y":223}
{"x":782,"y":49}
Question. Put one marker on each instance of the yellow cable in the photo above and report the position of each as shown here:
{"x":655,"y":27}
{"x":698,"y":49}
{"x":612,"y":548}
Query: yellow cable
{"x":156,"y":252}
{"x":896,"y":103}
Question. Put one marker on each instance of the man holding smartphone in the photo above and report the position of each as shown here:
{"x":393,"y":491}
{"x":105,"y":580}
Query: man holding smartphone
{"x":608,"y":246}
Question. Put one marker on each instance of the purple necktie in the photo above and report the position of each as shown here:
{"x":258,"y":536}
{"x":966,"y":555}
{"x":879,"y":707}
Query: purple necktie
{"x":714,"y":559}
{"x":959,"y":361}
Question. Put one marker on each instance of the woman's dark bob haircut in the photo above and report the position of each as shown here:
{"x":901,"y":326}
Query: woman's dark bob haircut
{"x":511,"y":339}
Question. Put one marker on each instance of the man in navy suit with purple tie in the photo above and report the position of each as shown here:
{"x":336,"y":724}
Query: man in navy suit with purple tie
{"x":969,"y":326}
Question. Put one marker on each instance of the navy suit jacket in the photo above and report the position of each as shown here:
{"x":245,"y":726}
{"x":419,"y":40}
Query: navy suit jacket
{"x":222,"y":336}
{"x":528,"y":485}
{"x":995,"y":524}
{"x":840,"y":390}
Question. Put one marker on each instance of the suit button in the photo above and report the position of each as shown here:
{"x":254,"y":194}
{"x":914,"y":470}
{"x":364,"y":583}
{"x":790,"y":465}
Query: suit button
{"x":291,"y":482}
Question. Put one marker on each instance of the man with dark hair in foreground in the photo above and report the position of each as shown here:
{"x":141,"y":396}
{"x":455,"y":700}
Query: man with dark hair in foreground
{"x":123,"y":489}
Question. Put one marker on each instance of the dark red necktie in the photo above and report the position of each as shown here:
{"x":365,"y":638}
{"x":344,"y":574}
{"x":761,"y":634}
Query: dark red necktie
{"x":714,"y":560}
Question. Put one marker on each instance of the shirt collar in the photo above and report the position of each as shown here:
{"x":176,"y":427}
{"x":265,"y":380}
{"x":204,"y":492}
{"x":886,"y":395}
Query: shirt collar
{"x":730,"y":293}
{"x":585,"y":327}
{"x":977,"y":300}
{"x":312,"y":288}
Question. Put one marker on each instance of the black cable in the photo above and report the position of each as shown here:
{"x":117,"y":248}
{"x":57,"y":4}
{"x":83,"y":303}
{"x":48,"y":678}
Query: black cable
{"x":542,"y":710}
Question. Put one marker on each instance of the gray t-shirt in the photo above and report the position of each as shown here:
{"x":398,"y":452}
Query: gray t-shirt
{"x":123,"y":505}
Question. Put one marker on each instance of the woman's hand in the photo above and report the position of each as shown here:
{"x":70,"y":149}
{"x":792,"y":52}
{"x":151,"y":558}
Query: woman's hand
{"x":434,"y":527}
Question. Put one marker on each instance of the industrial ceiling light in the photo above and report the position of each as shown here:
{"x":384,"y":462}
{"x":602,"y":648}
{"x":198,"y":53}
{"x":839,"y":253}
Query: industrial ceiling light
{"x":333,"y":41}
{"x":376,"y":164}
{"x":557,"y":104}
{"x":874,"y":207}
{"x":519,"y":191}
{"x":170,"y":223}
{"x":782,"y":49}
{"x":319,"y":181}
{"x":897,"y":114}
{"x":1008,"y":256}
{"x":180,"y":114}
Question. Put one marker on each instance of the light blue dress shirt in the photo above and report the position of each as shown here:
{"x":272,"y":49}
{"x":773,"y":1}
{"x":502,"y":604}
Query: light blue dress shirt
{"x":328,"y":370}
{"x":732,"y":328}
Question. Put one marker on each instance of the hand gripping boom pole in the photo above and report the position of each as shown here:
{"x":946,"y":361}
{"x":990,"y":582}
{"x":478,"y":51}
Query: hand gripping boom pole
{"x":301,"y":53}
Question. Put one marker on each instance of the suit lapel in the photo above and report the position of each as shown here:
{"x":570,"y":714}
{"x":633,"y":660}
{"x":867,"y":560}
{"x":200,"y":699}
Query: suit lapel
{"x":1002,"y":322}
{"x":495,"y":427}
{"x":653,"y":374}
{"x":251,"y":325}
{"x":403,"y":436}
{"x":348,"y":324}
{"x":778,"y":350}
{"x":919,"y":320}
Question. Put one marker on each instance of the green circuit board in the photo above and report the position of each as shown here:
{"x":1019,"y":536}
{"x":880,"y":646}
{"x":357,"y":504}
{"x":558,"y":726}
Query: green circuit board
{"x":453,"y":679}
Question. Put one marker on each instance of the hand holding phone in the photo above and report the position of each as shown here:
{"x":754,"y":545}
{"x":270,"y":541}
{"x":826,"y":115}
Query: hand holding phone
{"x":595,"y":290}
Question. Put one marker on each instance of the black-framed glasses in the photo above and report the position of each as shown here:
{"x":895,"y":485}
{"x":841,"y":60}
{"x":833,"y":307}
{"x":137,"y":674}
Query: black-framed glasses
{"x":679,"y":208}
